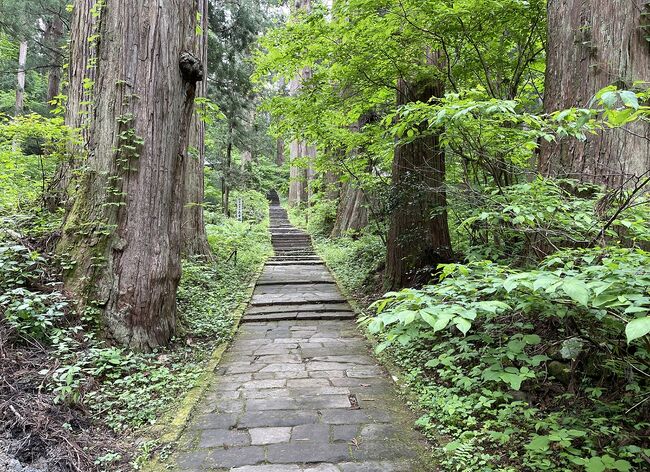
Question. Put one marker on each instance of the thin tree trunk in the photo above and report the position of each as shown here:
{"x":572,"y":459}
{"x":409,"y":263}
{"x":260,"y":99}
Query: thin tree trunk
{"x":418,"y":238}
{"x":20,"y":87}
{"x":592,"y":44}
{"x":195,"y":241}
{"x":124,"y":229}
{"x":297,"y":150}
{"x":225,"y":185}
{"x":279,"y":155}
{"x":53,"y":37}
{"x":299,"y":175}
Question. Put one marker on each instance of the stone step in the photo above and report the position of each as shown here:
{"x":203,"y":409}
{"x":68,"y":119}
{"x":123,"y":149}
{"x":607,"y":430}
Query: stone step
{"x":298,"y":257}
{"x":297,"y":299}
{"x":295,"y":263}
{"x":295,"y":282}
{"x":274,"y":278}
{"x":335,"y":315}
{"x":308,"y":308}
{"x":291,"y":288}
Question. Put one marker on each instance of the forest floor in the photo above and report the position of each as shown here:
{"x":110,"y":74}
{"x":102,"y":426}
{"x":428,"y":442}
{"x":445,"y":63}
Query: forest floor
{"x":299,"y":388}
{"x":69,"y":400}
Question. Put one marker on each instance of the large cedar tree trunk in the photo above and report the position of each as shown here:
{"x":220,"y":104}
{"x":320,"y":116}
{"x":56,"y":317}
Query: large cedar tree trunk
{"x":279,"y":155}
{"x":418,"y":237}
{"x":592,"y":44}
{"x":352,"y":213}
{"x":297,"y":151}
{"x":297,"y":174}
{"x":194,"y":238}
{"x":123,"y":232}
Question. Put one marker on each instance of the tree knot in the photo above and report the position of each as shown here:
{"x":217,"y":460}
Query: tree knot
{"x":191,"y":67}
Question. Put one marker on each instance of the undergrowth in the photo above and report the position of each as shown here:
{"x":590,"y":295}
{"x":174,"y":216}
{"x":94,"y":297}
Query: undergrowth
{"x":536,"y":360}
{"x":81,"y":376}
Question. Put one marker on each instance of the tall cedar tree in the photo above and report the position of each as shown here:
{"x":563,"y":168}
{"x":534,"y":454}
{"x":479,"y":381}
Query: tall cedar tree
{"x":298,"y":175}
{"x":193,"y":227}
{"x":418,"y":237}
{"x":123,"y":233}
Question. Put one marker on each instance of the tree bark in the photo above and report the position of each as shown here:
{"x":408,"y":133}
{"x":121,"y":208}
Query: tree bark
{"x":124,"y":230}
{"x":592,"y":44}
{"x":297,"y":174}
{"x":297,"y":150}
{"x":225,"y":185}
{"x":418,"y":238}
{"x":82,"y":71}
{"x":53,"y":37}
{"x":20,"y":86}
{"x":195,"y":241}
{"x":352,"y":214}
{"x":279,"y":156}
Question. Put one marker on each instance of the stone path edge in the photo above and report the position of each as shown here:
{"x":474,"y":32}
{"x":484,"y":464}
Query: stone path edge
{"x":396,"y":374}
{"x":169,"y":429}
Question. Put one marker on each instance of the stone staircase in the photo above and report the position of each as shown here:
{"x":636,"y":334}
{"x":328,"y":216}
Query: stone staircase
{"x":295,"y":284}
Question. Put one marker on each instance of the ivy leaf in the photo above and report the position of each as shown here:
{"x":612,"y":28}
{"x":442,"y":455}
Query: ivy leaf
{"x":637,"y":328}
{"x":577,"y":290}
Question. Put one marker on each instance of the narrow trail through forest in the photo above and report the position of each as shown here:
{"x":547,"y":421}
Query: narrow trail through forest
{"x":299,"y":389}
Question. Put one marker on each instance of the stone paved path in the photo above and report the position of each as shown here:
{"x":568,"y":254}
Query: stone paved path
{"x":299,"y":389}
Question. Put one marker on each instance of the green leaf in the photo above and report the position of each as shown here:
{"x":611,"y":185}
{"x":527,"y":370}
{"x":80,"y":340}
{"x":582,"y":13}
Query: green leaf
{"x":407,"y":317}
{"x":577,"y":290}
{"x":629,"y":99}
{"x":428,"y":319}
{"x":463,"y":325}
{"x":442,"y":322}
{"x":595,"y":464}
{"x":637,"y":328}
{"x":539,"y":443}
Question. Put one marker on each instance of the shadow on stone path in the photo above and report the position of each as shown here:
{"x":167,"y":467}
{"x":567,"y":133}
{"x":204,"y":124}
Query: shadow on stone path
{"x":299,"y":390}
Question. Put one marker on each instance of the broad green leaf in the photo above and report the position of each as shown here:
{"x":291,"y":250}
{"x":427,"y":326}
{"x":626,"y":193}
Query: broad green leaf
{"x":442,"y":321}
{"x":629,"y":99}
{"x":539,"y":443}
{"x":428,"y":319}
{"x":407,"y":317}
{"x":637,"y":328}
{"x":577,"y":290}
{"x":463,"y":325}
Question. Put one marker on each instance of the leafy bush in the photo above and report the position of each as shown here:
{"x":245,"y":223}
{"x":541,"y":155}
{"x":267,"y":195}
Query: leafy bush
{"x":551,"y":364}
{"x":356,"y":262}
{"x":536,"y":218}
{"x":318,"y":219}
{"x":24,"y":168}
{"x":30,"y":312}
